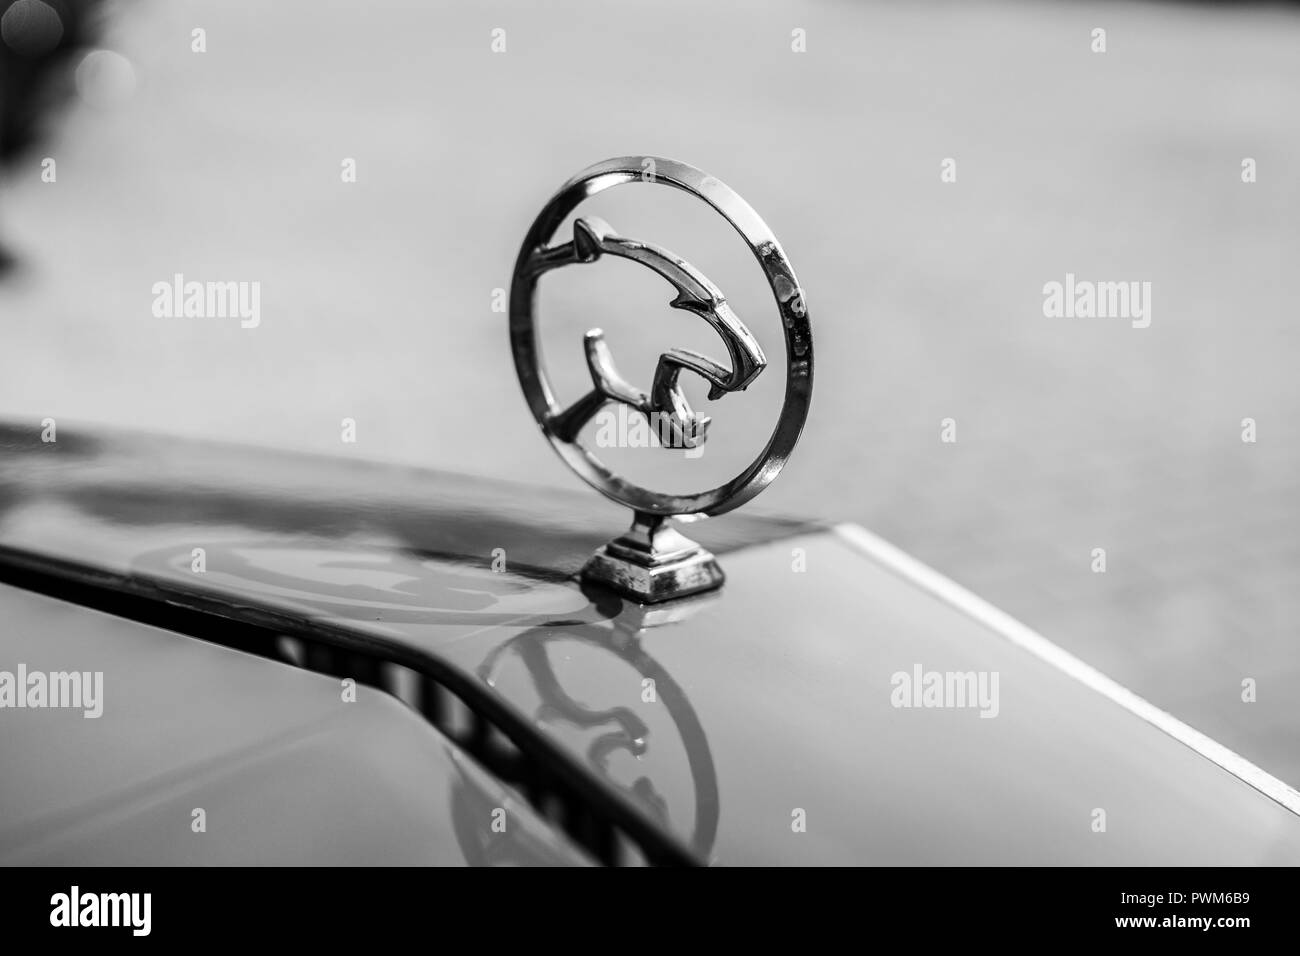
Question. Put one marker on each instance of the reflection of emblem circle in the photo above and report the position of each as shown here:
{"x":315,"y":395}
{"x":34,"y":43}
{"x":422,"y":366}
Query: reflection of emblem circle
{"x":361,"y":584}
{"x":533,"y":646}
{"x":790,"y":302}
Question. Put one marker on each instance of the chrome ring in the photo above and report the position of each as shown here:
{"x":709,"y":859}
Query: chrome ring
{"x":790,"y":303}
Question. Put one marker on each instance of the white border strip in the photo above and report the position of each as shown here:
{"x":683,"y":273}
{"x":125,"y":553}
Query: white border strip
{"x":1002,"y":623}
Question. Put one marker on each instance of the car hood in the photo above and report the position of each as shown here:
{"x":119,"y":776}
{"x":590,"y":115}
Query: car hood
{"x":780,"y":720}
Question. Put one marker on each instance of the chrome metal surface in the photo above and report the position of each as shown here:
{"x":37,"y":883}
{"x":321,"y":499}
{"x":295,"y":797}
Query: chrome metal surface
{"x":648,"y":574}
{"x":654,"y":562}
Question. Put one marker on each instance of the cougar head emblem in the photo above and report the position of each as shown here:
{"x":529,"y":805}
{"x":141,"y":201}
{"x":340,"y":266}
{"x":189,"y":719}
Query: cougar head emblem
{"x":666,"y":401}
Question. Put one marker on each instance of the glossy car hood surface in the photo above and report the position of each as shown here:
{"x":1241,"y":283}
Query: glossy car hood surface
{"x":760,"y":724}
{"x":280,"y":769}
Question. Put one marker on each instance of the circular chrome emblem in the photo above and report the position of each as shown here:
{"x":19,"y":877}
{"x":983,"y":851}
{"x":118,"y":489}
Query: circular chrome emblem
{"x":664,"y":402}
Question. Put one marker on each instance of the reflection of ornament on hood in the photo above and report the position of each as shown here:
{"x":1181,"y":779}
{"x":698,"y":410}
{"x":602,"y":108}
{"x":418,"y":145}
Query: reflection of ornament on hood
{"x":370,"y":584}
{"x":629,"y":732}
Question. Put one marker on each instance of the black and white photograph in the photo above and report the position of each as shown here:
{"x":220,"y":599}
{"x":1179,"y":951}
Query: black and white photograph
{"x":693,"y":434}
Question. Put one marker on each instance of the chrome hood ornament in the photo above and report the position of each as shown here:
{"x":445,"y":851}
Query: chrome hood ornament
{"x":653,"y":561}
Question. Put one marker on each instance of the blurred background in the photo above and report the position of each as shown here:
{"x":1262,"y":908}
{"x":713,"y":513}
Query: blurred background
{"x":926,"y":296}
